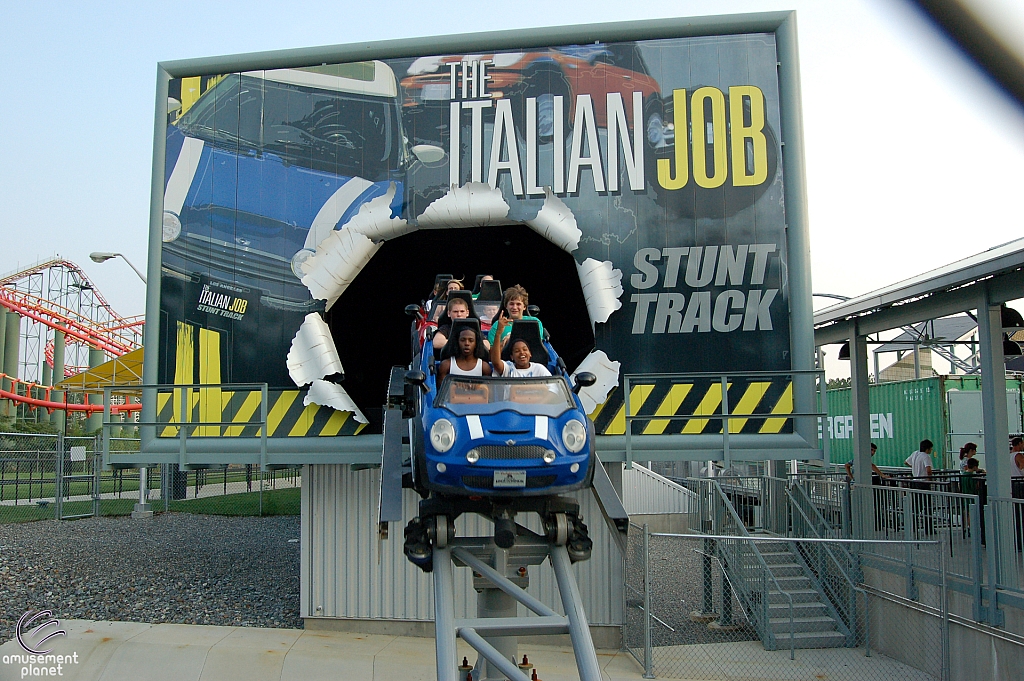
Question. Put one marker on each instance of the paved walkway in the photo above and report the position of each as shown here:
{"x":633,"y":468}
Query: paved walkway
{"x":129,"y":651}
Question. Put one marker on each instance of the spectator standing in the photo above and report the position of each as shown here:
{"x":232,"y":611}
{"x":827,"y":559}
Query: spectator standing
{"x":972,"y":482}
{"x":1017,"y":467}
{"x":920,"y":463}
{"x":967,"y":453}
{"x":876,"y":474}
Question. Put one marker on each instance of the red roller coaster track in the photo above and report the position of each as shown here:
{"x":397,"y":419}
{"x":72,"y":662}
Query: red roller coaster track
{"x":115,"y":335}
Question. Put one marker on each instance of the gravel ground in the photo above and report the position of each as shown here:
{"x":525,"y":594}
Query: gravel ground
{"x":677,"y":589}
{"x":182,"y":568}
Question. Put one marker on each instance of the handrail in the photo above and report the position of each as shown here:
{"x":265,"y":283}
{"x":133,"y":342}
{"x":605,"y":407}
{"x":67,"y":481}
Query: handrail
{"x":764,"y":567}
{"x":186,"y":423}
{"x":725,"y":415}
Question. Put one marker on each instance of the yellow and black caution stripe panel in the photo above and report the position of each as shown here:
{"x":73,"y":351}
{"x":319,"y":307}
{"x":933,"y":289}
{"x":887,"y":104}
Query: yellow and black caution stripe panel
{"x":286,"y":415}
{"x":758,"y":406}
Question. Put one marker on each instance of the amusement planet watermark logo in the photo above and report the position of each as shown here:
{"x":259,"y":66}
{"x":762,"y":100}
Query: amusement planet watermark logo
{"x":34,"y":631}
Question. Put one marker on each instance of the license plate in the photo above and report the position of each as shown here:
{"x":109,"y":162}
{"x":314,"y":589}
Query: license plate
{"x":506,"y":479}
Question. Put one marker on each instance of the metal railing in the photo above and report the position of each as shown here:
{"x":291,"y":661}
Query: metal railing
{"x":52,"y":476}
{"x":831,"y":499}
{"x":747,"y":570}
{"x":722,"y":410}
{"x":711,"y":644}
{"x":1007,"y":535}
{"x":837,"y":572}
{"x":187,"y":398}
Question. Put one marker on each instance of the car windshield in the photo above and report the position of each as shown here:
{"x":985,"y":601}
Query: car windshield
{"x":330,"y":131}
{"x":623,"y":55}
{"x":471,"y":395}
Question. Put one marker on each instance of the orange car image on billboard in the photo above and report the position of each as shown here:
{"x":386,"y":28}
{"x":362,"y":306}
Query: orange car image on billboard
{"x":567,"y":71}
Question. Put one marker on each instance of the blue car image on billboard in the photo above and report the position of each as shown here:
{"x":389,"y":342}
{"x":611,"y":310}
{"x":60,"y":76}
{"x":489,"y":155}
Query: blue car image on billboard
{"x":266,"y":163}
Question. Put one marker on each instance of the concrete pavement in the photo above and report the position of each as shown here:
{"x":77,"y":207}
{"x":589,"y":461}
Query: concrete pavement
{"x":130,"y":651}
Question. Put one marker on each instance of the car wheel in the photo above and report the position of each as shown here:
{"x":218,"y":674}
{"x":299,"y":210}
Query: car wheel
{"x":544,"y":85}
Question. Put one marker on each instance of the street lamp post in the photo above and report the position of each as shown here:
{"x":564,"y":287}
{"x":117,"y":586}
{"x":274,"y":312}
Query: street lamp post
{"x":142,"y":509}
{"x":100,"y":256}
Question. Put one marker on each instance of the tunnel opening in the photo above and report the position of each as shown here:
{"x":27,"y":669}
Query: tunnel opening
{"x":371,"y":329}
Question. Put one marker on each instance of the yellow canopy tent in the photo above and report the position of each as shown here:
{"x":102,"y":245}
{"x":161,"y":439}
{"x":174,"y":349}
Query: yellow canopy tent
{"x":121,"y":371}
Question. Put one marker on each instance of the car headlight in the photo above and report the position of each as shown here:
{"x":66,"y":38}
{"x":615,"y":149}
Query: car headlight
{"x":172,"y":227}
{"x":574,"y":436}
{"x":299,"y":258}
{"x":442,"y":435}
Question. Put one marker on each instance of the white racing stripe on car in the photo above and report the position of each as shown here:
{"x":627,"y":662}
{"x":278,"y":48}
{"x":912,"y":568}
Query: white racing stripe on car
{"x":541,"y":428}
{"x":476,"y":431}
{"x":181,"y":177}
{"x":332,"y":210}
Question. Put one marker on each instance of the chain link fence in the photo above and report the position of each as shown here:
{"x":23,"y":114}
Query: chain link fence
{"x":756,"y":607}
{"x":46,"y":477}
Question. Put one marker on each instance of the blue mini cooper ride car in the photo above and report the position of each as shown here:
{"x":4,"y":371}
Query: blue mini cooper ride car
{"x":497,"y":446}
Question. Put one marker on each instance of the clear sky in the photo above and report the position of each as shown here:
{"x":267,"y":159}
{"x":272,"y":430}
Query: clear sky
{"x":913,"y":159}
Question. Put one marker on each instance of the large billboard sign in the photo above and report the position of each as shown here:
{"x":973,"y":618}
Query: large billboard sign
{"x":635,"y":187}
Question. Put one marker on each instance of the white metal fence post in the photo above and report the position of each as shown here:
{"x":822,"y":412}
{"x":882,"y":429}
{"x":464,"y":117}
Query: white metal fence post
{"x":648,"y":644}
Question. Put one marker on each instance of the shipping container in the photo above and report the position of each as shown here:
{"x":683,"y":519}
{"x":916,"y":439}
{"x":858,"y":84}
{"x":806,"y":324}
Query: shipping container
{"x":943,"y":409}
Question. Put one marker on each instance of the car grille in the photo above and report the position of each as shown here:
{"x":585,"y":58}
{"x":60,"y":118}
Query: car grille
{"x":487,"y":482}
{"x":505,"y":452}
{"x":251,"y":267}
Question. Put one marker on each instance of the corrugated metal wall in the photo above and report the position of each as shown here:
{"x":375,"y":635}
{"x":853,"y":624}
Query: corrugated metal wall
{"x":644,"y":491}
{"x":347,"y":572}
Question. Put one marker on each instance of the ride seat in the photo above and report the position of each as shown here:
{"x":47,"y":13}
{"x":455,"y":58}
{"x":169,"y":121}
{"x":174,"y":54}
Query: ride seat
{"x":490,"y":290}
{"x":529,"y":331}
{"x":450,"y":348}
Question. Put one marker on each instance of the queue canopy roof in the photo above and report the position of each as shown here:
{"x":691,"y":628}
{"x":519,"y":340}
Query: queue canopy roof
{"x":120,"y":371}
{"x":995,"y":261}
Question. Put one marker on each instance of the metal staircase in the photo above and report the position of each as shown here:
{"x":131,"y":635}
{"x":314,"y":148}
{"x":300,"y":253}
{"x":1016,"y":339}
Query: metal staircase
{"x":795,"y":595}
{"x":815,"y":623}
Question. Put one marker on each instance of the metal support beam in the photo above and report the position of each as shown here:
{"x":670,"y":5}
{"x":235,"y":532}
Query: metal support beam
{"x":572,"y":603}
{"x":1001,"y":288}
{"x":863,"y":502}
{"x":11,"y":353}
{"x":444,"y":616}
{"x":59,"y":346}
{"x":993,"y":398}
{"x":95,"y":420}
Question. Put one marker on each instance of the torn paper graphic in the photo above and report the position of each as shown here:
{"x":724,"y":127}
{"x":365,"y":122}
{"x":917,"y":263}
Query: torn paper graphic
{"x":332,"y":210}
{"x":338,"y":259}
{"x":607,"y":372}
{"x":556,"y":223}
{"x":472,"y":205}
{"x":602,"y":287}
{"x":313,"y":354}
{"x":334,"y":396}
{"x":375,"y":222}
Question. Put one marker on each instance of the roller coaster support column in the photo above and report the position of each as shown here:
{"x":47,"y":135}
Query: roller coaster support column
{"x":493,"y":602}
{"x":3,"y":339}
{"x":572,"y":603}
{"x":12,"y":350}
{"x":95,"y":420}
{"x":42,"y":415}
{"x":59,"y":417}
{"x":444,"y":615}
